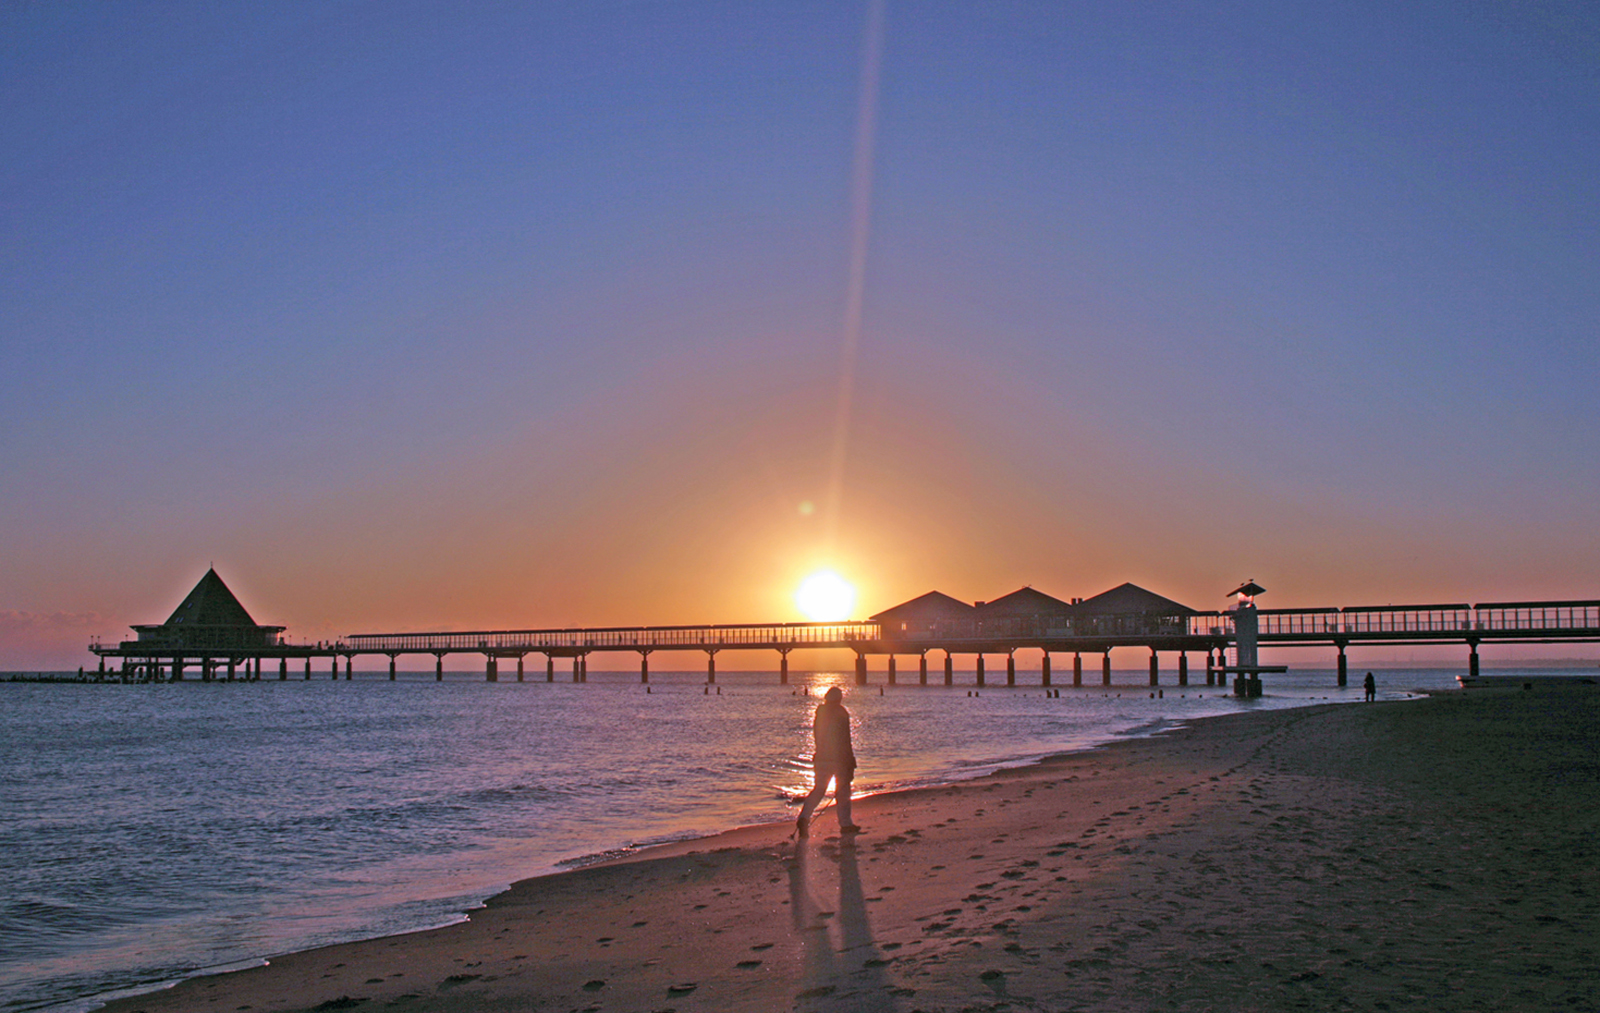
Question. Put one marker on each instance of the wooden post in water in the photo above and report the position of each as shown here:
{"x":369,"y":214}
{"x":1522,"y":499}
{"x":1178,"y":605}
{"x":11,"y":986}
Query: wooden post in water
{"x":549,"y":668}
{"x":1044,"y":670}
{"x":711,"y":668}
{"x":891,"y":669}
{"x":644,"y":668}
{"x":1155,"y":668}
{"x":1183,"y":668}
{"x":519,"y":667}
{"x":1011,"y":668}
{"x":308,"y":667}
{"x":1105,"y":669}
{"x":491,"y":669}
{"x":949,"y":669}
{"x":861,"y":669}
{"x":1344,"y":669}
{"x":438,"y":667}
{"x":980,"y":670}
{"x":922,"y":669}
{"x":1077,"y":669}
{"x":783,"y":667}
{"x":283,"y":669}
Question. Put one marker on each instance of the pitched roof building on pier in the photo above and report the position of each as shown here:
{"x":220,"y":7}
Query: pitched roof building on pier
{"x":1127,"y":610}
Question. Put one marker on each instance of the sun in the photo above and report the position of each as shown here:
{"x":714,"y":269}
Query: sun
{"x":825,"y":597}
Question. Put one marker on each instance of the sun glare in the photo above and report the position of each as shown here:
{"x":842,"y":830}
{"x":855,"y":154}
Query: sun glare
{"x":825,"y":597}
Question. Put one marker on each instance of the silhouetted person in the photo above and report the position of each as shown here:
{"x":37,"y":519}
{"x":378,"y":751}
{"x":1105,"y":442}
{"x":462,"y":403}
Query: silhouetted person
{"x":832,"y":759}
{"x":1371,"y":686}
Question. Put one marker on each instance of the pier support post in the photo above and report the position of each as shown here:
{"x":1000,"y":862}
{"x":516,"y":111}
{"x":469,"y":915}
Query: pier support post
{"x":980,"y":670}
{"x":438,"y":667}
{"x":922,"y":669}
{"x":644,"y":668}
{"x":1077,"y":669}
{"x":1210,"y":672}
{"x":1155,"y":668}
{"x":1105,"y":670}
{"x":519,"y":667}
{"x":1472,"y":659}
{"x":308,"y":667}
{"x":349,"y":667}
{"x":391,"y":667}
{"x":577,"y":669}
{"x":583,"y":667}
{"x":1044,"y":670}
{"x":549,"y":668}
{"x":333,"y":668}
{"x":783,"y":668}
{"x":861,"y":669}
{"x":177,"y":669}
{"x":233,"y":664}
{"x":1011,"y":668}
{"x":283,"y":669}
{"x":491,"y":668}
{"x":891,"y":670}
{"x":949,"y":670}
{"x":711,"y":668}
{"x":1344,"y":668}
{"x":1183,"y":668}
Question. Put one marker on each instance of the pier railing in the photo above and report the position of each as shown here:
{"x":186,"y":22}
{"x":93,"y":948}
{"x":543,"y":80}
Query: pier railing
{"x":773,"y":635}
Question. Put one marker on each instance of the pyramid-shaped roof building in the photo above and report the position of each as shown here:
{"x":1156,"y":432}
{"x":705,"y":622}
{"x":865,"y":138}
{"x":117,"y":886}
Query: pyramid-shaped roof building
{"x":210,"y":617}
{"x":211,"y":603}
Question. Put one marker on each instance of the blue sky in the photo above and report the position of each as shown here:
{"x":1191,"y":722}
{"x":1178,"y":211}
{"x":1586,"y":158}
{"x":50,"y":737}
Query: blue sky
{"x":412,"y":315}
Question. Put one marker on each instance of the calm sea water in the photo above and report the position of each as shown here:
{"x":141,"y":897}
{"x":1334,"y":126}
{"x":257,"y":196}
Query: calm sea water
{"x":150,"y":832}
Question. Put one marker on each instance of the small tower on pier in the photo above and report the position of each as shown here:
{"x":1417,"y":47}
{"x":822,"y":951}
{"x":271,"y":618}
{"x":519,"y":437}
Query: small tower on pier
{"x":1246,"y":630}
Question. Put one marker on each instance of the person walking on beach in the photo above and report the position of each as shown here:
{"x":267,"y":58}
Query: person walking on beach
{"x":832,"y":759}
{"x":1371,"y":686}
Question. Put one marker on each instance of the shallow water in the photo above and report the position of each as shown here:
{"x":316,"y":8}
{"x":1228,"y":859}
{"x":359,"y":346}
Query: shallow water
{"x":151,"y":831}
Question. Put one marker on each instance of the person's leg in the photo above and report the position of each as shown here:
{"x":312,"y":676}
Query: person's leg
{"x":841,"y":798}
{"x":820,"y":788}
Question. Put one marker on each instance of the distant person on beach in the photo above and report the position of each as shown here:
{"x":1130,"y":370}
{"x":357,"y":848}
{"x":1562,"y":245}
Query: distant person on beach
{"x":832,"y":759}
{"x":1371,"y":686}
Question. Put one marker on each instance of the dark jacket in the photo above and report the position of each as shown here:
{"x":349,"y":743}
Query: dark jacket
{"x":830,"y":730}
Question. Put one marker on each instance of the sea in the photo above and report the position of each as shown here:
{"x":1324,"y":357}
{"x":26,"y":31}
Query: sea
{"x":150,"y":833}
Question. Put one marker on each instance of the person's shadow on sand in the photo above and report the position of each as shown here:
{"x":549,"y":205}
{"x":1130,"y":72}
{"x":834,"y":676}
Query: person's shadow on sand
{"x":853,"y":967}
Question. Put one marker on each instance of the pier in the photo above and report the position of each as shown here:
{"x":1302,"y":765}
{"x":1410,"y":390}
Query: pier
{"x":212,"y":636}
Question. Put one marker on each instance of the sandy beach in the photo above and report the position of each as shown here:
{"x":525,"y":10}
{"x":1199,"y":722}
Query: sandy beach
{"x":1436,"y":855}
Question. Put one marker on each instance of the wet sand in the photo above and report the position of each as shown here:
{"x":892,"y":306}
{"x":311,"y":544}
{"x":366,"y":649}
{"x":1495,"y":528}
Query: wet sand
{"x":1432,"y":855}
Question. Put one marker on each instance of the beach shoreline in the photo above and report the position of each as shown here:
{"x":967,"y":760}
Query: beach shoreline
{"x":1326,"y":856}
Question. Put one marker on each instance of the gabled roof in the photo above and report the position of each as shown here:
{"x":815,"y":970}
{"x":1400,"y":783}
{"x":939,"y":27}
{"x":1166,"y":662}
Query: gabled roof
{"x":931,"y":606}
{"x":1130,"y":599}
{"x":210,"y":604}
{"x":1025,"y":601}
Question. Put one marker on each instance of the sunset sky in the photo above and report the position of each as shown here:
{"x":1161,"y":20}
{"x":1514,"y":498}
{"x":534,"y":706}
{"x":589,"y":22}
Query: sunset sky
{"x":464,"y":316}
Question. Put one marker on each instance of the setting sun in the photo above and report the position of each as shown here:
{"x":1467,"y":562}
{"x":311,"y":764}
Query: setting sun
{"x":825,"y":597}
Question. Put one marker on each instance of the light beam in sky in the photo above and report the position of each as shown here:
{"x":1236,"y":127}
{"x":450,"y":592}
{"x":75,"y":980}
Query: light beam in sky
{"x":825,"y":597}
{"x":860,"y":228}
